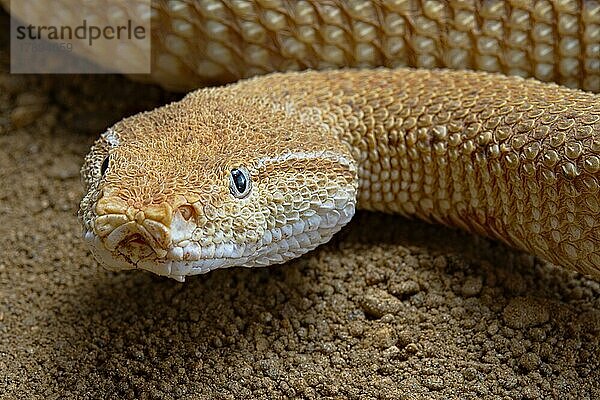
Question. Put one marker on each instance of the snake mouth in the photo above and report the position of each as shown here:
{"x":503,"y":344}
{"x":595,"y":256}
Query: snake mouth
{"x":178,"y":263}
{"x":134,"y":246}
{"x":190,"y":258}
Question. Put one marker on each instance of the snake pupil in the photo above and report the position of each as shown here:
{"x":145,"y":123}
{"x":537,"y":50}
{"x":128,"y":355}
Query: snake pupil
{"x":239,"y":179}
{"x":239,"y":183}
{"x":104,"y":166}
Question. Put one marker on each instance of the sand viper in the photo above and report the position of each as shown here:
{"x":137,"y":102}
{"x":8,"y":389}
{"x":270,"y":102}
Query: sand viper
{"x":264,"y":170}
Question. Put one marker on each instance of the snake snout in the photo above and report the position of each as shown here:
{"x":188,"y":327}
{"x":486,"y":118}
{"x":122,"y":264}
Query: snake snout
{"x":126,"y":228}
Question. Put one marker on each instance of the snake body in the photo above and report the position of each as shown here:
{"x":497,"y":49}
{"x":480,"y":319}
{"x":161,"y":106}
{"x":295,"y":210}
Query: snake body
{"x":197,"y":43}
{"x":264,"y":170}
{"x":512,"y":159}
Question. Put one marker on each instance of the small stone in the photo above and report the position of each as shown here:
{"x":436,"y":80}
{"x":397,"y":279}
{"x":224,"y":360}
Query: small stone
{"x":507,"y":379}
{"x":469,"y":374}
{"x":412,"y":348}
{"x":383,"y":337}
{"x":194,"y":316}
{"x":537,"y":334}
{"x":266,"y":317}
{"x":405,"y":338}
{"x":22,"y":116}
{"x":493,"y":329}
{"x":472,"y":286}
{"x":529,"y":361}
{"x":457,"y":312}
{"x":378,"y":302}
{"x":440,"y":262}
{"x":217,"y":342}
{"x":30,"y":99}
{"x":356,"y":328}
{"x":589,"y":321}
{"x":525,"y":312}
{"x":518,"y":347}
{"x":411,"y":261}
{"x":387,"y":319}
{"x":531,"y":392}
{"x":391,"y":352}
{"x":139,"y":355}
{"x":404,"y":289}
{"x":356,"y":314}
{"x":434,"y":382}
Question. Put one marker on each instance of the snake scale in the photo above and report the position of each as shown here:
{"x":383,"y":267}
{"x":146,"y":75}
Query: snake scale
{"x":261,"y":171}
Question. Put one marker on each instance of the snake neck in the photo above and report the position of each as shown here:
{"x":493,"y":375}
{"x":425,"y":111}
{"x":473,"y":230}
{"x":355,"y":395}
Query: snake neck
{"x":508,"y":158}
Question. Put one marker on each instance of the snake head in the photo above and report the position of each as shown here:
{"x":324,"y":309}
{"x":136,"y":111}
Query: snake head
{"x":214,"y":181}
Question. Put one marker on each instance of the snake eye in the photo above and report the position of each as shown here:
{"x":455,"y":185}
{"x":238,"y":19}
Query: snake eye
{"x":239,"y":182}
{"x":104,"y":166}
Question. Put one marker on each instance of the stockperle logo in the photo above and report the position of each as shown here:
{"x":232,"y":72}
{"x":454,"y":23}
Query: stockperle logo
{"x":80,"y":36}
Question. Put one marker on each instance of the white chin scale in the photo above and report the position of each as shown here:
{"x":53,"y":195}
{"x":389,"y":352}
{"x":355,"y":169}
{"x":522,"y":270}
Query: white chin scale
{"x":177,"y":269}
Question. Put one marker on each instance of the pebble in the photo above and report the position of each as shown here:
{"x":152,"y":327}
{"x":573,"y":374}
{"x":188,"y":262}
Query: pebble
{"x":29,"y":106}
{"x":378,"y":302}
{"x":391,"y":352}
{"x":472,"y":286}
{"x":405,"y":338}
{"x":531,"y":392}
{"x":22,"y":116}
{"x":529,"y":361}
{"x":412,"y":348}
{"x":440,"y":262}
{"x":525,"y":312}
{"x":405,"y":288}
{"x":469,"y":373}
{"x":383,"y":337}
{"x":355,"y":328}
{"x":434,"y":382}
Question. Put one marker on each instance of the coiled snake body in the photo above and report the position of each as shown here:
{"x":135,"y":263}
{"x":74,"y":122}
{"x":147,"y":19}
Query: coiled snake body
{"x":266,"y":169}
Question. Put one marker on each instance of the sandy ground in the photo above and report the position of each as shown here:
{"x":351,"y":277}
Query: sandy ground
{"x":391,"y":309}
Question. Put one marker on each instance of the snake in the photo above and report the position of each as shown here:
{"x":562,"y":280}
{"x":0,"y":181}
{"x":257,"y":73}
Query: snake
{"x":484,"y":116}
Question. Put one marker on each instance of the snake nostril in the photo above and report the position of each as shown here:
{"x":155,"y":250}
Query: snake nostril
{"x":187,"y":212}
